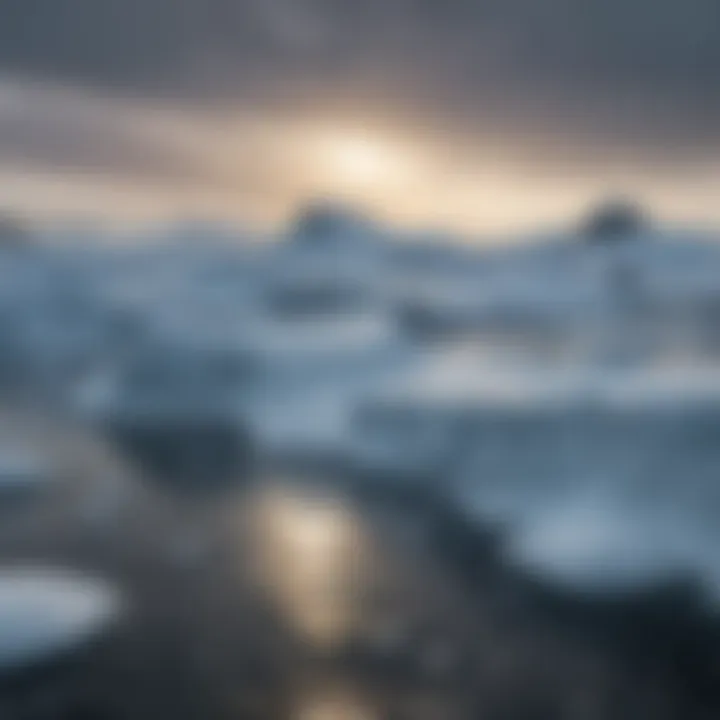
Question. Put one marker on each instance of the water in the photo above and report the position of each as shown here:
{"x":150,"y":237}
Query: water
{"x":579,"y":427}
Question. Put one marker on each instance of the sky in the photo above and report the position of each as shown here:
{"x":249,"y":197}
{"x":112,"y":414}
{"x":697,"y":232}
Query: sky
{"x":486,"y":116}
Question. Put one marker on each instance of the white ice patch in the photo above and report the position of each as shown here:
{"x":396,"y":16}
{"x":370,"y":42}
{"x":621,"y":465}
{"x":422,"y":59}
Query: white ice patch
{"x":21,"y":472}
{"x":47,"y":613}
{"x":596,"y":544}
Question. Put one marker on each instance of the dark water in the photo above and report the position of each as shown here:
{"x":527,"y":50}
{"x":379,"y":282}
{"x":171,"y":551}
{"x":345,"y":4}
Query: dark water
{"x":335,"y":598}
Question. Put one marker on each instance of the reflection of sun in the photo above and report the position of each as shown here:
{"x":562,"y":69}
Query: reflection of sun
{"x":309,"y":551}
{"x":332,"y":706}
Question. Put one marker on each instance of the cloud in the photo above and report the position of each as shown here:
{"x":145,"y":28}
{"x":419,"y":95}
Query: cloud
{"x":61,"y":130}
{"x":200,"y":102}
{"x":636,"y":72}
{"x":63,"y":147}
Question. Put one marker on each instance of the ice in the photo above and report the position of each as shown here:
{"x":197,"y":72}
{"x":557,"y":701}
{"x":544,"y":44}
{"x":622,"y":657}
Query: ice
{"x":46,"y":614}
{"x":21,"y":472}
{"x":561,"y":384}
{"x":599,"y":545}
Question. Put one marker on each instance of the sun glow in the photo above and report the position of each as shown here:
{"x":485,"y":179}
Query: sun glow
{"x":358,"y":162}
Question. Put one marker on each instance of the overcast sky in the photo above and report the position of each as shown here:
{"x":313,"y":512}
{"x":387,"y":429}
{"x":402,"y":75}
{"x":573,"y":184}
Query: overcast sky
{"x":485,"y":114}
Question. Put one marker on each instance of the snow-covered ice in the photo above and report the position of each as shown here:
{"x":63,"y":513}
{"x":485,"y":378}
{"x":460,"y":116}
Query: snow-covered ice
{"x":567,"y":378}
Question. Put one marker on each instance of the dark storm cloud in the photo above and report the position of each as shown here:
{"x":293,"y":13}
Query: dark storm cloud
{"x":644,"y":72}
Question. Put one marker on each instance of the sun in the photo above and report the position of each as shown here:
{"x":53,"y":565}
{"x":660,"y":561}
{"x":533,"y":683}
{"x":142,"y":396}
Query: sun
{"x":358,"y":162}
{"x":360,"y":159}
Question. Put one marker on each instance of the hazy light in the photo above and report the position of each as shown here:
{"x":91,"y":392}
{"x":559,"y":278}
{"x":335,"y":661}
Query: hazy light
{"x":359,"y":162}
{"x":332,"y":704}
{"x":308,"y":551}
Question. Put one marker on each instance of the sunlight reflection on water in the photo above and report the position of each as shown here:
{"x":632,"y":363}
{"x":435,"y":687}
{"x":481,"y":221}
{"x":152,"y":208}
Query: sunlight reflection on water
{"x":331,"y":703}
{"x":311,"y":556}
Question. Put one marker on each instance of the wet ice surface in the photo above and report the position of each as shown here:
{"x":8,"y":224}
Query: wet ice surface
{"x":580,"y":422}
{"x":603,"y":477}
{"x":302,"y":600}
{"x":305,"y":372}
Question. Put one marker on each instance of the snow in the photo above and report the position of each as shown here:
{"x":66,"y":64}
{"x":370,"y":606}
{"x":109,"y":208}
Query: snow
{"x":601,"y":362}
{"x":21,"y":472}
{"x":598,"y":544}
{"x":48,"y":613}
